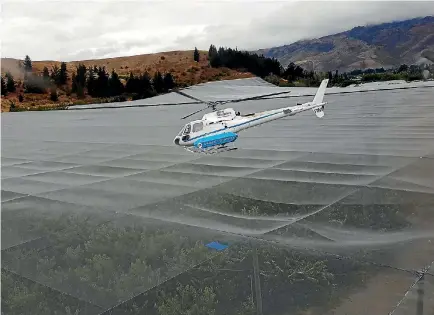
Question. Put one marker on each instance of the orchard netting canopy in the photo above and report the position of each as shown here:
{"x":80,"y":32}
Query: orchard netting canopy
{"x":103,"y":214}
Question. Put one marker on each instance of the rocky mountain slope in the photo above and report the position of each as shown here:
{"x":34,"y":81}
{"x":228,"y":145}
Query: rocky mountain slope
{"x":383,"y":45}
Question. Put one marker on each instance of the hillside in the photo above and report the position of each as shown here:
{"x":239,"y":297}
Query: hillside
{"x":180,"y":64}
{"x":374,"y":46}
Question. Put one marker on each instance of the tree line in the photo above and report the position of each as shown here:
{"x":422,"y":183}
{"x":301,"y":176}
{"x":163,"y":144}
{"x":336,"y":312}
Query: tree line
{"x":271,"y":70}
{"x":93,"y":80}
{"x":403,"y":72}
{"x":264,"y":67}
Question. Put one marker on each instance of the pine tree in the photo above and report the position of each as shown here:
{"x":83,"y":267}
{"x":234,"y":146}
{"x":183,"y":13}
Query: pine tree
{"x":196,"y":55}
{"x":27,"y":64}
{"x":63,"y":74}
{"x":55,"y":74}
{"x":158,"y":82}
{"x":212,"y":52}
{"x":91,"y":82}
{"x":115,"y":85}
{"x":74,"y":83}
{"x":78,"y":80}
{"x":80,"y":91}
{"x":10,"y":83}
{"x":102,"y":86}
{"x":45,"y":74}
{"x":403,"y":68}
{"x":80,"y":76}
{"x":4,"y":90}
{"x":147,"y":89}
{"x":169,"y":82}
{"x":130,"y":83}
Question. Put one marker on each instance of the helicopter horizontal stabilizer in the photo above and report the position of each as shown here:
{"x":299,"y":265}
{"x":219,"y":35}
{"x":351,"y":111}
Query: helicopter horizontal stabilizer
{"x":319,"y":112}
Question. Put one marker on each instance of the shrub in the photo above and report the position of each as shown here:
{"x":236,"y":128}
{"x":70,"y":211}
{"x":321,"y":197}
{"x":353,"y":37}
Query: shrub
{"x":53,"y":95}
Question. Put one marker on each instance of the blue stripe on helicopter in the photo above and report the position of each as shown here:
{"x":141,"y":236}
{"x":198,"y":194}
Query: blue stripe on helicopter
{"x":246,"y":122}
{"x":221,"y":138}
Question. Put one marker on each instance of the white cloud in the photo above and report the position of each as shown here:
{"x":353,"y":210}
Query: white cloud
{"x":85,"y":30}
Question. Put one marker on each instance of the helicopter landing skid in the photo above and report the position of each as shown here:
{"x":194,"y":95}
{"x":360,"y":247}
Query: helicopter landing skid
{"x":212,"y":150}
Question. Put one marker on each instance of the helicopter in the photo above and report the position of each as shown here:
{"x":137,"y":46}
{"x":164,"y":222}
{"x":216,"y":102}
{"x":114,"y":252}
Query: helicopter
{"x":220,"y":127}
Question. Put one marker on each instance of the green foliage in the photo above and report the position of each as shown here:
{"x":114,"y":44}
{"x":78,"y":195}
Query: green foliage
{"x":34,"y":83}
{"x":188,"y":301}
{"x":80,"y":77}
{"x":91,"y":82}
{"x":158,"y":82}
{"x":55,"y":74}
{"x":403,"y":68}
{"x":12,"y":106}
{"x":196,"y":55}
{"x":212,"y":52}
{"x":46,"y":74}
{"x":53,"y":94}
{"x":293,"y":72}
{"x":4,"y":90}
{"x":146,"y":87}
{"x":10,"y":83}
{"x":21,"y":296}
{"x":79,"y":81}
{"x":140,"y":86}
{"x":80,"y":91}
{"x":101,"y":83}
{"x":63,"y":74}
{"x":169,"y":82}
{"x":115,"y":85}
{"x":109,"y":261}
{"x":234,"y":59}
{"x":273,"y":79}
{"x":27,"y":64}
{"x":403,"y":72}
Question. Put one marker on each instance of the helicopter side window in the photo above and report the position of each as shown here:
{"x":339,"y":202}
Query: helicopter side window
{"x":197,"y":126}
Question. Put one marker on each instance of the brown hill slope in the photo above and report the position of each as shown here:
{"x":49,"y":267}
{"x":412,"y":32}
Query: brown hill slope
{"x":180,"y":63}
{"x":382,"y":45}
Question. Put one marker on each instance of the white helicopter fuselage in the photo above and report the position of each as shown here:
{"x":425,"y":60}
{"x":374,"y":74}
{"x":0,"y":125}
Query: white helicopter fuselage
{"x":221,"y":127}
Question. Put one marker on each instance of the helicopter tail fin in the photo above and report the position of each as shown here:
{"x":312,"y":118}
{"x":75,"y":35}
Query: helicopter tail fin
{"x":320,"y":92}
{"x":318,"y":99}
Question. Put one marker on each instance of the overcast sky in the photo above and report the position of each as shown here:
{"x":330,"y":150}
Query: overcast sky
{"x":73,"y":30}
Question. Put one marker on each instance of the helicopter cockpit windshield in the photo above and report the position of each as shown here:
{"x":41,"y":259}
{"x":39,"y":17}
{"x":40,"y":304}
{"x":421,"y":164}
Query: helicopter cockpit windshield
{"x":186,"y":130}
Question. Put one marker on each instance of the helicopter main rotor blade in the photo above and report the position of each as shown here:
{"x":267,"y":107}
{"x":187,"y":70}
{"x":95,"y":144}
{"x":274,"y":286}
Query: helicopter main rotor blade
{"x":215,"y":103}
{"x":198,"y":111}
{"x":189,"y":96}
{"x":251,"y":98}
